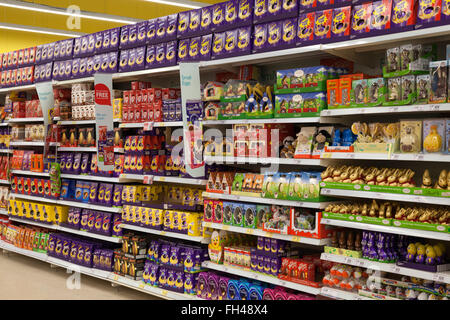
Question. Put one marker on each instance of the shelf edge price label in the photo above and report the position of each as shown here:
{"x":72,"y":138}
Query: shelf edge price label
{"x":438,"y":277}
{"x":148,"y":126}
{"x":164,"y":293}
{"x":148,"y":180}
{"x":296,"y":239}
{"x":142,"y":285}
{"x":395,"y":269}
{"x":116,"y":277}
{"x":225,"y":227}
{"x":249,"y":231}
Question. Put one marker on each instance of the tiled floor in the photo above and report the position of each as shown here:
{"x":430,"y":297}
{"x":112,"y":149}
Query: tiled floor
{"x":27,"y":278}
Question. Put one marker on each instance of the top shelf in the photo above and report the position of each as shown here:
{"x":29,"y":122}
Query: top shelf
{"x":348,"y":48}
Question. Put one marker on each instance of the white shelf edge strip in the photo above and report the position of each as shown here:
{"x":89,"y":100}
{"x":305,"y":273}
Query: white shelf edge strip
{"x":383,"y":110}
{"x":388,"y":267}
{"x":341,"y":294}
{"x":162,"y":233}
{"x":388,"y":229}
{"x":90,"y":178}
{"x":67,"y":203}
{"x":232,"y":197}
{"x":261,"y":277}
{"x":12,"y":120}
{"x":181,"y":180}
{"x":101,"y":274}
{"x":4,"y":182}
{"x":386,"y":196}
{"x":68,"y":230}
{"x":259,"y":232}
{"x":74,"y":122}
{"x":271,"y":120}
{"x":253,"y":160}
{"x":31,"y":173}
{"x":386,"y":156}
{"x":154,"y":124}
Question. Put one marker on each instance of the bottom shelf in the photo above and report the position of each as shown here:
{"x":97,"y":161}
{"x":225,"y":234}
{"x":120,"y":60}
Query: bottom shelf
{"x":100,"y":274}
{"x":261,"y":277}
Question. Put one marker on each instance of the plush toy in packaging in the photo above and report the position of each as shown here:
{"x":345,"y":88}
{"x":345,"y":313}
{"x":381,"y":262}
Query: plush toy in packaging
{"x":321,"y":139}
{"x":423,"y":88}
{"x":434,"y":133}
{"x":304,"y":142}
{"x":439,"y":82}
{"x":359,"y":93}
{"x":376,"y":92}
{"x":410,"y":136}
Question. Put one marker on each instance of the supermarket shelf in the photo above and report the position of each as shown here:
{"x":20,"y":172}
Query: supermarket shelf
{"x":388,"y":267}
{"x":32,"y":198}
{"x":21,"y":88}
{"x":141,"y":286}
{"x":34,"y":223}
{"x":96,"y":273}
{"x":27,"y":143}
{"x":253,"y":160}
{"x":6,"y":151}
{"x":232,"y":197}
{"x":388,"y":229}
{"x":68,"y":83}
{"x":138,"y":177}
{"x":272,"y":120}
{"x":5,"y":182}
{"x":67,"y":203}
{"x":89,"y":206}
{"x":419,"y":108}
{"x":90,"y":234}
{"x":20,"y":120}
{"x":164,"y":233}
{"x":386,"y":156}
{"x":90,"y":178}
{"x":154,"y":124}
{"x":341,"y":294}
{"x":73,"y":122}
{"x":133,"y":74}
{"x":4,"y":211}
{"x":11,"y":248}
{"x":31,"y":173}
{"x":259,"y":276}
{"x":385,"y":196}
{"x":4,"y":124}
{"x":259,"y":232}
{"x":85,"y":149}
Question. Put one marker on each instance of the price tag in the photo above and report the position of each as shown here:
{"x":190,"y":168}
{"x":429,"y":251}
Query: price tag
{"x":142,"y":285}
{"x":438,"y":278}
{"x":268,"y":235}
{"x":395,"y":269}
{"x":163,"y":233}
{"x":326,"y":113}
{"x":326,"y":191}
{"x":418,"y":108}
{"x":362,"y":110}
{"x":164,"y":293}
{"x":351,"y":156}
{"x":395,"y":156}
{"x":296,"y":239}
{"x":249,"y":231}
{"x":361,"y":263}
{"x":393,"y":109}
{"x":148,"y":126}
{"x":162,"y":179}
{"x":283,"y":283}
{"x":116,"y":277}
{"x":148,"y":179}
{"x":226,"y":228}
{"x":435,"y":107}
{"x":348,"y":260}
{"x":326,"y":155}
{"x":207,"y":224}
{"x":418,"y":157}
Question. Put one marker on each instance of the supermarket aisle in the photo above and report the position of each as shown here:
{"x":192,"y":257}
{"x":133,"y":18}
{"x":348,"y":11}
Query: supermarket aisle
{"x":26,"y":278}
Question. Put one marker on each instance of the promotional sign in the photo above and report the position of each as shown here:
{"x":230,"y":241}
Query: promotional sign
{"x":104,"y":125}
{"x":47,"y":100}
{"x":193,"y":132}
